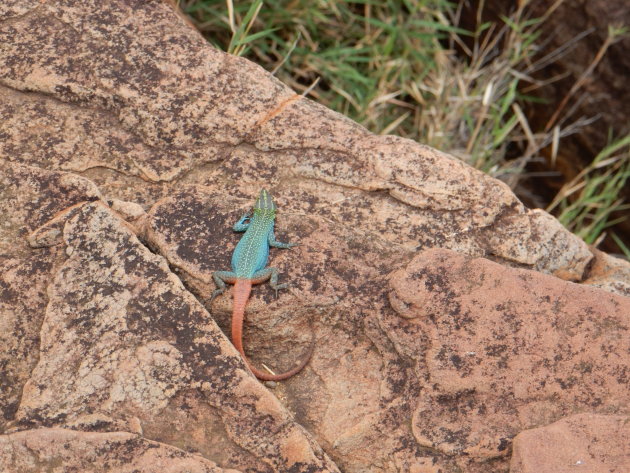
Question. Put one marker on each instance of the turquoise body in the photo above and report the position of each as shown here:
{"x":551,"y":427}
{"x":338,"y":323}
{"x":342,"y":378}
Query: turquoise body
{"x":252,"y":252}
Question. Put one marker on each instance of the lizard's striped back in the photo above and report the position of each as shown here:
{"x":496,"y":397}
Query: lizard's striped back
{"x":252,"y":251}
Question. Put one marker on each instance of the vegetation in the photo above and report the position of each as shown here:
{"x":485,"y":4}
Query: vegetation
{"x":401,"y":67}
{"x":588,"y":201}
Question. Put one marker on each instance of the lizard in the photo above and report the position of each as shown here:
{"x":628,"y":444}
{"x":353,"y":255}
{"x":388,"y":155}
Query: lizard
{"x":249,"y":262}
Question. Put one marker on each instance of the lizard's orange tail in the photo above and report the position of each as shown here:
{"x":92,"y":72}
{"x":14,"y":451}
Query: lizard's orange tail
{"x":242,"y":289}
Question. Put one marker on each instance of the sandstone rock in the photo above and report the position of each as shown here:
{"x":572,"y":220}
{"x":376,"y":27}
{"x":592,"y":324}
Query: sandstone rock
{"x":131,"y":148}
{"x":609,"y":273}
{"x":587,"y":443}
{"x":29,"y":197}
{"x":508,"y":350}
{"x":115,"y":452}
{"x":123,"y":339}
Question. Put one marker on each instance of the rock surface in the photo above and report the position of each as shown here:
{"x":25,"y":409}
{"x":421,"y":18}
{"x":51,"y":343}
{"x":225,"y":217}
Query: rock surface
{"x":130,"y":147}
{"x":34,"y":451}
{"x":507,"y":350}
{"x":577,"y":443}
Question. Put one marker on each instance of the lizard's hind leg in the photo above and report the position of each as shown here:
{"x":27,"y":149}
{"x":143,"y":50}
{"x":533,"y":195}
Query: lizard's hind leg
{"x":220,"y":278}
{"x":271,"y":274}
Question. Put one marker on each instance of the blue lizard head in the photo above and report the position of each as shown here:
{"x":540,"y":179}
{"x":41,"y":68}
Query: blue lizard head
{"x":265,"y":203}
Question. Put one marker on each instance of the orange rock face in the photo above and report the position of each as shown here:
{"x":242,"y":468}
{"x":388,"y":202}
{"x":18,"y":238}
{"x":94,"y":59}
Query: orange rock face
{"x":129,"y":148}
{"x":588,"y":443}
{"x":508,"y":350}
{"x":42,"y":449}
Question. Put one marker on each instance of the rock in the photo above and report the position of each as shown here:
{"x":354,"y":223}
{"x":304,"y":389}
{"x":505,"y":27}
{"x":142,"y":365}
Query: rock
{"x":609,"y":273}
{"x":130,"y":211}
{"x":122,"y":338}
{"x":507,"y":350}
{"x":132,"y":146}
{"x":114,"y":452}
{"x":29,"y":198}
{"x":587,"y":443}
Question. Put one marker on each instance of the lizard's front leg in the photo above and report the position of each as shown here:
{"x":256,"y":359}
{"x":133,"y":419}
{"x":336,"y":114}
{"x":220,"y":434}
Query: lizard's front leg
{"x":242,"y":225}
{"x":220,"y":278}
{"x":276,"y":244}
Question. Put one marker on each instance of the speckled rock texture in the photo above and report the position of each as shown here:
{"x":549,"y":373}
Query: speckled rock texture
{"x":447,"y":316}
{"x":69,"y":450}
{"x":577,"y":443}
{"x":506,"y":350}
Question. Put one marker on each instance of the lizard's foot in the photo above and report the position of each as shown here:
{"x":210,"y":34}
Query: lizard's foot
{"x":220,"y":278}
{"x":277,"y":287}
{"x":215,"y":293}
